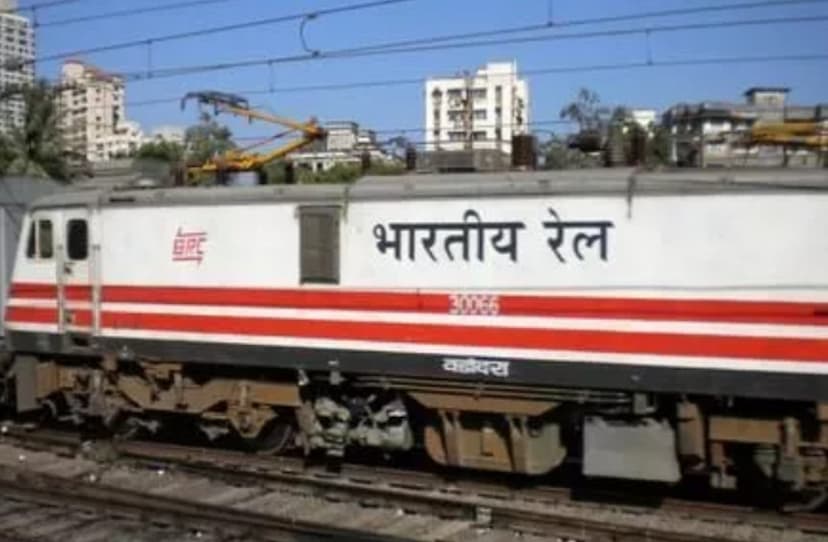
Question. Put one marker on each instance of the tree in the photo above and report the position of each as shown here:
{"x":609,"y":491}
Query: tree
{"x":559,"y":155}
{"x":35,"y":148}
{"x":207,"y":139}
{"x":591,"y":118}
{"x":338,"y":174}
{"x":619,"y":147}
{"x":585,"y":111}
{"x":658,"y":149}
{"x":163,"y":151}
{"x":276,"y":172}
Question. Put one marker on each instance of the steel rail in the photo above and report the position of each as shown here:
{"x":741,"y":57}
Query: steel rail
{"x":528,"y":510}
{"x":55,"y":489}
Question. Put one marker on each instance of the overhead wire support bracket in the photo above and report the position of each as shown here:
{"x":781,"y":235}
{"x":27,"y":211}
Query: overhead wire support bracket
{"x":309,"y":17}
{"x":149,"y":58}
{"x":647,"y":38}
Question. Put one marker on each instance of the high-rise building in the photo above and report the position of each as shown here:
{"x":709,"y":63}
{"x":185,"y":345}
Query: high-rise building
{"x":480,"y":110}
{"x":94,"y":122}
{"x":17,"y":52}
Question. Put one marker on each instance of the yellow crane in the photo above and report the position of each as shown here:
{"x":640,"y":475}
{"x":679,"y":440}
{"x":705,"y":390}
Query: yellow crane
{"x":238,"y":160}
{"x":808,"y":134}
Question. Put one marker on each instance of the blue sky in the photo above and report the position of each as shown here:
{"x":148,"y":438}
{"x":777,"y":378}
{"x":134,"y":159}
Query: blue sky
{"x":402,"y":106}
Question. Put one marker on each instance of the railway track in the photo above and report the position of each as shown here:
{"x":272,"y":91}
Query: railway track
{"x":187,"y":519}
{"x":456,"y":510}
{"x":29,"y":518}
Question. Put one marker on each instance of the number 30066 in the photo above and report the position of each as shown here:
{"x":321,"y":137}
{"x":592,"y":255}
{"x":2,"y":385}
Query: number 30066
{"x":481,"y":304}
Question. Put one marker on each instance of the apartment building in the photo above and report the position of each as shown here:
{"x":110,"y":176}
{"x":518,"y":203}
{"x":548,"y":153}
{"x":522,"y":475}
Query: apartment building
{"x":17,"y":51}
{"x":710,"y":133}
{"x":94,"y":122}
{"x":476,"y":111}
{"x":122,"y":142}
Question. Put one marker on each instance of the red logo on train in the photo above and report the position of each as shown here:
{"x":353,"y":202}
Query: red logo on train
{"x":187,"y":246}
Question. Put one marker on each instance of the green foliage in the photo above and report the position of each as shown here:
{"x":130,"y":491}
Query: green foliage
{"x":163,"y":151}
{"x":658,"y":148}
{"x":338,"y":174}
{"x":207,"y":139}
{"x":558,"y":155}
{"x":35,"y":148}
{"x":276,"y":173}
{"x":386,"y":168}
{"x":586,"y":111}
{"x":617,"y":136}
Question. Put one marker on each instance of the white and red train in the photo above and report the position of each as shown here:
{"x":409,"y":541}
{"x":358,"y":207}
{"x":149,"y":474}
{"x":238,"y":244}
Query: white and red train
{"x":652,"y":325}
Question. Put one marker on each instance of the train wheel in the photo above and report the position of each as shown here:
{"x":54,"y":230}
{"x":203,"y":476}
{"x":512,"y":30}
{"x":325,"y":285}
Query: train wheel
{"x":132,"y":427}
{"x":127,"y":429}
{"x":808,"y":500}
{"x":275,"y":438}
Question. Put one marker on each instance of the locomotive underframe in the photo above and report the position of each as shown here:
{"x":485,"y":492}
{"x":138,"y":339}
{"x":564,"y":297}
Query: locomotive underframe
{"x":498,"y":427}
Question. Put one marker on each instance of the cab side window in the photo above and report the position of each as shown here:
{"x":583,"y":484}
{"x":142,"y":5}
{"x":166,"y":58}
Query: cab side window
{"x":77,"y":236}
{"x":40,"y":243}
{"x":31,"y":242}
{"x":44,"y":239}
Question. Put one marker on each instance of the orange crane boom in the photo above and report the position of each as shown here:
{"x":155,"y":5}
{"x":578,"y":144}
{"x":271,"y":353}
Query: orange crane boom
{"x":240,"y":160}
{"x":804,"y":134}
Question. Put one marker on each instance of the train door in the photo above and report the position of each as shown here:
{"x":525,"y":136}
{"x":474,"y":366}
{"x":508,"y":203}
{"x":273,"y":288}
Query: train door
{"x":76,"y":306}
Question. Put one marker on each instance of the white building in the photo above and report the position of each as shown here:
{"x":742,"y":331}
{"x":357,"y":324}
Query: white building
{"x":167,"y":134}
{"x":711,"y":133}
{"x":482,"y":110}
{"x":94,"y":121}
{"x":645,"y":118}
{"x":121,"y":143}
{"x":342,"y":135}
{"x":345,"y":144}
{"x":17,"y":52}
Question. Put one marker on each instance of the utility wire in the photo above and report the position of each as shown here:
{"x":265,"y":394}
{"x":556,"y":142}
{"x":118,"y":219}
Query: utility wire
{"x":218,"y":29}
{"x":304,"y":16}
{"x":426,"y":45}
{"x":43,"y":5}
{"x":541,"y":71}
{"x":597,"y":20}
{"x":127,"y":12}
{"x":391,"y":48}
{"x":381,"y":83}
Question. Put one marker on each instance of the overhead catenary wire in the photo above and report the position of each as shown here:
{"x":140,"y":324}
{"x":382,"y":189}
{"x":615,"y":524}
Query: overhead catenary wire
{"x":560,"y":24}
{"x":128,"y":12}
{"x":42,"y":5}
{"x":154,"y":40}
{"x":391,"y":48}
{"x":314,"y":14}
{"x":603,"y":20}
{"x":541,"y":71}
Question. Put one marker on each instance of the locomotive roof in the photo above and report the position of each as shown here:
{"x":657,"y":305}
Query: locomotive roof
{"x":626,"y":182}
